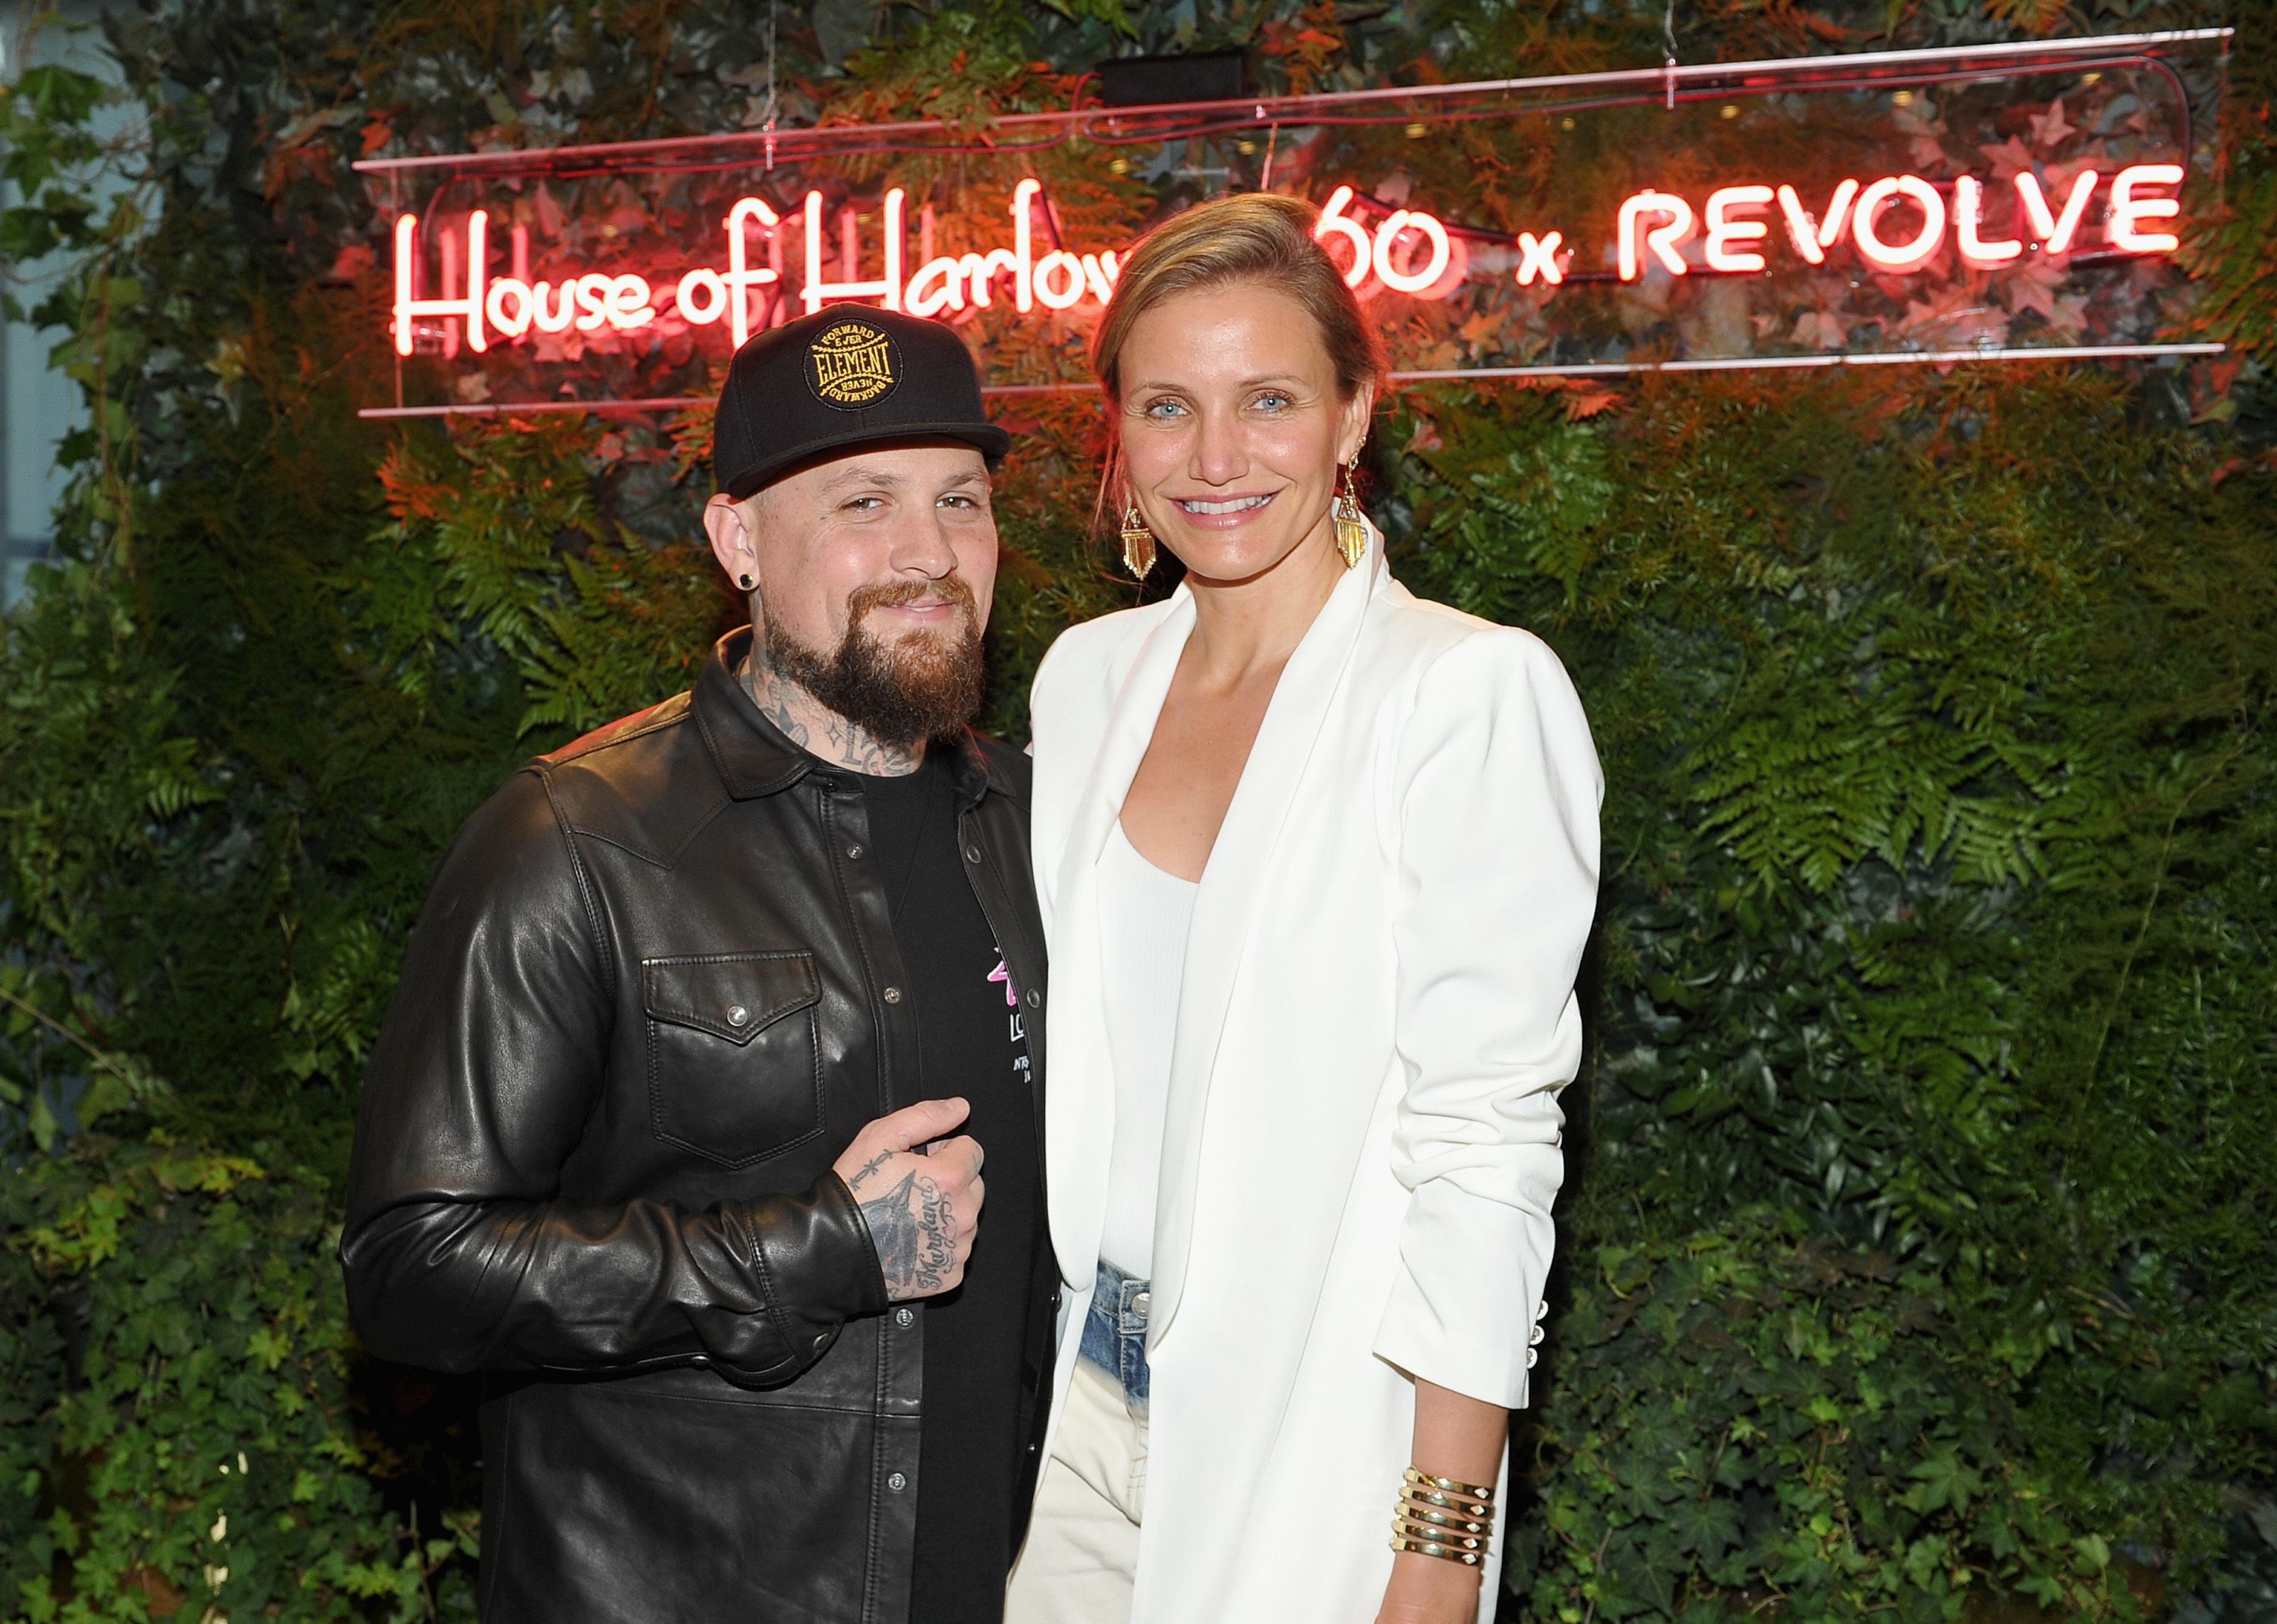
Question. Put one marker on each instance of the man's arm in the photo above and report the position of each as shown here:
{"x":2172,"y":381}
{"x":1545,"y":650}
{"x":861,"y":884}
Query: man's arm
{"x":458,"y":1254}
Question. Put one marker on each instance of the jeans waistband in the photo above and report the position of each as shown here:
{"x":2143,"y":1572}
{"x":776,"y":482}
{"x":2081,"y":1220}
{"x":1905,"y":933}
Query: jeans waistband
{"x":1115,"y":1332}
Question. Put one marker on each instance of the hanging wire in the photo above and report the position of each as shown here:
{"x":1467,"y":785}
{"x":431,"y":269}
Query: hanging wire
{"x":772,"y":99}
{"x":1668,"y":46}
{"x":1112,"y":127}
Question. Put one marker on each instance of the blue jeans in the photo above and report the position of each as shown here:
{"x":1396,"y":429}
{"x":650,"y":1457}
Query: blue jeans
{"x":1115,"y":1332}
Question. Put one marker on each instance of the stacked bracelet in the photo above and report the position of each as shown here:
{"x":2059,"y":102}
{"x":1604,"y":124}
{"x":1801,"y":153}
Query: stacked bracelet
{"x":1438,"y":1516}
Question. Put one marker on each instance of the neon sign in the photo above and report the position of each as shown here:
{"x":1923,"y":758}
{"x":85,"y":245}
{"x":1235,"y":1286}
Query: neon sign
{"x":1980,"y":201}
{"x":1654,"y":227}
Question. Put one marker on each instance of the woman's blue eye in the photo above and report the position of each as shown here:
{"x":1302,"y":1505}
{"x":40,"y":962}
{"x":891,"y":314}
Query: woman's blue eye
{"x":1162,"y":408}
{"x":1273,"y":400}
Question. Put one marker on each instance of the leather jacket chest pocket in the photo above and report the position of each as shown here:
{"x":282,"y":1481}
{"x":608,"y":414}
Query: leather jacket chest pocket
{"x":735,"y":1054}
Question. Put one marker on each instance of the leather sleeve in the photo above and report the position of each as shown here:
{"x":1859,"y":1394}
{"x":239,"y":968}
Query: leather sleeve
{"x":458,"y":1253}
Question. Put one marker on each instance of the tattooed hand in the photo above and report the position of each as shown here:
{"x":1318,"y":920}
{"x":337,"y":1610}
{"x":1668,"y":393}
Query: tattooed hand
{"x":921,"y":1204}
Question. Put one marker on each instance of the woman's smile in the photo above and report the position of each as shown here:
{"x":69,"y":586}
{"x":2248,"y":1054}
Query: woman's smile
{"x":1223,"y":513}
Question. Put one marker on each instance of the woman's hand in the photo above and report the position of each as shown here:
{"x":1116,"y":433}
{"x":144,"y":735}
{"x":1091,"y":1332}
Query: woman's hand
{"x":1429,"y":1590}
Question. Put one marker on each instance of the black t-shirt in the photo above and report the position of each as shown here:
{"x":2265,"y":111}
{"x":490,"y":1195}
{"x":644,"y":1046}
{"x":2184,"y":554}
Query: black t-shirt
{"x":972,"y":1045}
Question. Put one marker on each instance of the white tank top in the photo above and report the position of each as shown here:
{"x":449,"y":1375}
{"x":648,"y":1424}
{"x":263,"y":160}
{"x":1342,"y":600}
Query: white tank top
{"x":1144,"y":913}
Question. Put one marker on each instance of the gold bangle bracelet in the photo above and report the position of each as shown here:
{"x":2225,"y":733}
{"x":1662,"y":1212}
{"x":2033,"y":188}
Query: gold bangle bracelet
{"x":1443,"y":1537}
{"x":1446,"y":1502}
{"x":1429,"y":1547}
{"x":1448,"y":1485}
{"x":1433,"y":1497}
{"x":1440,"y":1520}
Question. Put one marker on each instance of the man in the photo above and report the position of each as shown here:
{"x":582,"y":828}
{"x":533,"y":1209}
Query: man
{"x":675,"y":1127}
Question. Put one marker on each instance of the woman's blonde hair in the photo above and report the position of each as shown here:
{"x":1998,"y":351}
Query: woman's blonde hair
{"x":1253,"y":236}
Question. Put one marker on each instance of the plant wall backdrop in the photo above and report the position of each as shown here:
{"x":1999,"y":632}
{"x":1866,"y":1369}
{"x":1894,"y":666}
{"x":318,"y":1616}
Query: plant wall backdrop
{"x":1918,"y":1254}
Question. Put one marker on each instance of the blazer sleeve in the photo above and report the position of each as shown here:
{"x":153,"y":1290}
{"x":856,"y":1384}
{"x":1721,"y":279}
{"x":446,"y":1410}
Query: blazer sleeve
{"x":1497,"y":790}
{"x":459,"y":1251}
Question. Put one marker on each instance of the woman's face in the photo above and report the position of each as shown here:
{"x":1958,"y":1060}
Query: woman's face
{"x":1232,"y":430}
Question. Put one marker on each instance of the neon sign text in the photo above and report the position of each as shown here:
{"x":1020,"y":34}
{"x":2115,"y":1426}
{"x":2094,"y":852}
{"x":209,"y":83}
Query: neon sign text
{"x":1896,"y":223}
{"x":1409,"y":252}
{"x":1656,"y":226}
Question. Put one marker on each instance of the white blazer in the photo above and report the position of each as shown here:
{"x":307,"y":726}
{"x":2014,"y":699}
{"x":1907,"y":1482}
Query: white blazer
{"x":1362,"y":1144}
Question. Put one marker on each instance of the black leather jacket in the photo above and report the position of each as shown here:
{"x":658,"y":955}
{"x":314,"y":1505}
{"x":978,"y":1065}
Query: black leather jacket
{"x":651,"y":997}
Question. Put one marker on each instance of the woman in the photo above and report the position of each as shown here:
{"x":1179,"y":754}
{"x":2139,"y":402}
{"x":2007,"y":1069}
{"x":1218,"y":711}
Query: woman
{"x":1317,"y":860}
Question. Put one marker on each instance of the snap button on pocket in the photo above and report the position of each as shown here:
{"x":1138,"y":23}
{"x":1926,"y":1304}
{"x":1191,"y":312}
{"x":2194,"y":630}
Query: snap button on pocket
{"x":737,"y":1016}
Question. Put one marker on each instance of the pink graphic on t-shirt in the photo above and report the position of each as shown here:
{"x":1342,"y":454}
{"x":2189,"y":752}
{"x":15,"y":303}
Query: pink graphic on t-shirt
{"x":1004,"y":972}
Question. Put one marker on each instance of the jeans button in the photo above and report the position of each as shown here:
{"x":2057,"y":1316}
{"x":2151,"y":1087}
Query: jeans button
{"x":1142,"y":1302}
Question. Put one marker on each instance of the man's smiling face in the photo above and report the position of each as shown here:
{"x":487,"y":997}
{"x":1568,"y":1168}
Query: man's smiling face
{"x":876,"y":572}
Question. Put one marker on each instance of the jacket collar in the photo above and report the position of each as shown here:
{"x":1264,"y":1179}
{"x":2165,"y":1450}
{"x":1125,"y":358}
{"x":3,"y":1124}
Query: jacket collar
{"x":754,"y":757}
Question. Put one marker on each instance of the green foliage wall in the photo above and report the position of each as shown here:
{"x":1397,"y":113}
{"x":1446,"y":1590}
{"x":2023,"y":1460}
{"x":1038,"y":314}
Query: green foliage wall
{"x":1917,"y":1255}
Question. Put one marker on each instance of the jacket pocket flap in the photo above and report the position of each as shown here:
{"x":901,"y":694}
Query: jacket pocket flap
{"x":733,"y":996}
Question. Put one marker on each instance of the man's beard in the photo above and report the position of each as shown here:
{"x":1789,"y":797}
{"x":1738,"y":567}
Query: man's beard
{"x":902,"y":692}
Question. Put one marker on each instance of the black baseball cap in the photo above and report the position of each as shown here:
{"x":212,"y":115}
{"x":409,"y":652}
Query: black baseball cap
{"x":841,"y":377}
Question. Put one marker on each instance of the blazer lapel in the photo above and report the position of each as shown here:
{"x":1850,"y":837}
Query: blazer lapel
{"x":1225,"y":908}
{"x":1123,"y":744}
{"x":1079,"y":1117}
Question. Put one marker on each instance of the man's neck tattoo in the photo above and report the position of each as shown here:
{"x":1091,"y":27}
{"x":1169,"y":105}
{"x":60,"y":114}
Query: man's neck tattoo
{"x":820,"y":731}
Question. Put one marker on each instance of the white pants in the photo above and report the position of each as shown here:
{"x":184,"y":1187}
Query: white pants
{"x":1082,"y":1552}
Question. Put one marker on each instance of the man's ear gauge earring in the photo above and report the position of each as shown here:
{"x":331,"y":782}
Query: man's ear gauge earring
{"x":748,"y":581}
{"x":1138,"y":543}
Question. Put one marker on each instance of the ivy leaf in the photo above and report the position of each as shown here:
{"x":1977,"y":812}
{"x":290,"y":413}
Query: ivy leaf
{"x":1945,"y":1481}
{"x":1707,"y":1528}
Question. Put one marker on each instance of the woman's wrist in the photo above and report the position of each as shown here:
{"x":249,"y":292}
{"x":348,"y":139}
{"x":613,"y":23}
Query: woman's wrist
{"x":1443,"y":1509}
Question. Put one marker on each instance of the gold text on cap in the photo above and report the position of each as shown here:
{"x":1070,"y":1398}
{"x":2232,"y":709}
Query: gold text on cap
{"x":853,"y":364}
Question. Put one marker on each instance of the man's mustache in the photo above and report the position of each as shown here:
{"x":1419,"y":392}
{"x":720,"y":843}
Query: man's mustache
{"x":894,"y":594}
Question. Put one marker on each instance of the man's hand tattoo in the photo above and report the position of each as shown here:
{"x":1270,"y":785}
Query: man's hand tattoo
{"x":914,"y":1227}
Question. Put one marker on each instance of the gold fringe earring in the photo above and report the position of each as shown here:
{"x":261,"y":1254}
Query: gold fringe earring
{"x":1138,"y":543}
{"x":1351,"y":530}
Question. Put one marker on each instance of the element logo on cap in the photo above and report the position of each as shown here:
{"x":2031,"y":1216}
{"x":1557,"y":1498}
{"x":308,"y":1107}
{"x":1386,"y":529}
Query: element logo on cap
{"x":852,"y":364}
